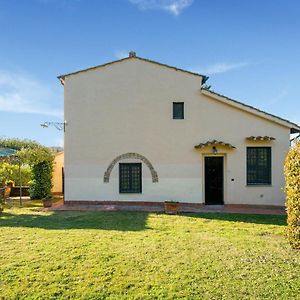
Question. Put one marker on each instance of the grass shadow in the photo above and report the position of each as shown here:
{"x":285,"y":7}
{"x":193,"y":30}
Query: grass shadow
{"x":279,"y":220}
{"x":120,"y":221}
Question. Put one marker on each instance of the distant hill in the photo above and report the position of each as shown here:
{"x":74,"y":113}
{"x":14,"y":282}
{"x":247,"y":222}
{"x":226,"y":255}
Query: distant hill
{"x":56,"y":149}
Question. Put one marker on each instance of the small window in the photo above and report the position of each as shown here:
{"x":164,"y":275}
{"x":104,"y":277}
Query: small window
{"x":178,"y":110}
{"x":258,"y":165}
{"x":130,"y":177}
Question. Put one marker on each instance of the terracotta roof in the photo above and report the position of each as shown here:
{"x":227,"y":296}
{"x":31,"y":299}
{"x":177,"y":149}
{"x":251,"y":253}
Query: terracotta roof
{"x":260,"y":138}
{"x":204,"y":78}
{"x":293,"y":126}
{"x":213,"y":143}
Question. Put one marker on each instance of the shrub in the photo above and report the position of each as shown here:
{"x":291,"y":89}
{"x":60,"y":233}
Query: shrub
{"x":41,"y":183}
{"x":292,"y":189}
{"x":10,"y":172}
{"x":40,"y":159}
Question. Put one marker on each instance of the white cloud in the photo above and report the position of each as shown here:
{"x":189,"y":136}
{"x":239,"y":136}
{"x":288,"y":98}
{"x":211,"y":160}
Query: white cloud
{"x":221,"y":68}
{"x":21,"y":93}
{"x":174,"y":7}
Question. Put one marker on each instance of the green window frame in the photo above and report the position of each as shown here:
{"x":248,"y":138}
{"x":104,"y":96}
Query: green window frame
{"x":130,"y":178}
{"x":259,"y":161}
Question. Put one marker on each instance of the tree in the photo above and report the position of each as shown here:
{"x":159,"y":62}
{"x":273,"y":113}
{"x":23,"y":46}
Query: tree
{"x":41,"y":183}
{"x":40,"y":159}
{"x":10,"y":172}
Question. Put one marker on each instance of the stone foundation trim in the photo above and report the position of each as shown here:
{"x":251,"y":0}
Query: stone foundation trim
{"x":149,"y":203}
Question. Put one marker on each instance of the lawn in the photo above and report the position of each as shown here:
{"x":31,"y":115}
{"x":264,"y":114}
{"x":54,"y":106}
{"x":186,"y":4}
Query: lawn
{"x":128,"y":255}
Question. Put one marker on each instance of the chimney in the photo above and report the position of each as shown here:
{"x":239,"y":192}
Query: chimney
{"x":132,"y":54}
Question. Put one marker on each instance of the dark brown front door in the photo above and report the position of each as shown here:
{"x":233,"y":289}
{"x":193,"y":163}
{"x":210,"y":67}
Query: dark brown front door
{"x":214,"y":182}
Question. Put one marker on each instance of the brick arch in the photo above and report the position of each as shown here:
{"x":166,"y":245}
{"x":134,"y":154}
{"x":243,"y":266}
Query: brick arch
{"x":134,"y":156}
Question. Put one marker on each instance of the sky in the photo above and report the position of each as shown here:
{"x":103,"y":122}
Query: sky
{"x":249,"y":49}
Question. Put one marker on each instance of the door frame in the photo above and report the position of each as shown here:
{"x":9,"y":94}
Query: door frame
{"x":224,"y":175}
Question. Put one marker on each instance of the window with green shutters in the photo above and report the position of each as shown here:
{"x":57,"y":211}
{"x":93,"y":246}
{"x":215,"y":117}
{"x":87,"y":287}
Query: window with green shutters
{"x":130,"y":177}
{"x":259,"y":166}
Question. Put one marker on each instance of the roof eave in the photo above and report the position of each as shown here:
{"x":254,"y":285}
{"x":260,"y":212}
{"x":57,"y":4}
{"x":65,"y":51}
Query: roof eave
{"x":295,"y":128}
{"x":63,"y":76}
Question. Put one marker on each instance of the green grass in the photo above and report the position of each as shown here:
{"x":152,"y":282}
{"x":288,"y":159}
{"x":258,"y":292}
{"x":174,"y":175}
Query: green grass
{"x":128,"y":255}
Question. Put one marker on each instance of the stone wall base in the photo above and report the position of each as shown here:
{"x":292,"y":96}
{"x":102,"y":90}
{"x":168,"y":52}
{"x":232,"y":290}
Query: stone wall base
{"x":183,"y":204}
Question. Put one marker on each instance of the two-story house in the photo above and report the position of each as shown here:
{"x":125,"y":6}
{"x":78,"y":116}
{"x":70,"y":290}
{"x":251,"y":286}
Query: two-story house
{"x":139,"y":130}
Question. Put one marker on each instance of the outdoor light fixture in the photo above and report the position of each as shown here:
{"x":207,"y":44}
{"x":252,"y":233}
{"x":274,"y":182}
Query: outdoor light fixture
{"x":215,"y":150}
{"x":57,"y":125}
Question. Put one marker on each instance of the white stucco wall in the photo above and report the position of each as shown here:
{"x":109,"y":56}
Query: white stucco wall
{"x":127,"y":107}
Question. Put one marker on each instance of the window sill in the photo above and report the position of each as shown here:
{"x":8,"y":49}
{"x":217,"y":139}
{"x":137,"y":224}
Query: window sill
{"x":130,"y":192}
{"x":259,"y":185}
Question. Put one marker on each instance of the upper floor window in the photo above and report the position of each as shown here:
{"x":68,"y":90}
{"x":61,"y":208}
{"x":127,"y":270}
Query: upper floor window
{"x":178,"y":110}
{"x":258,"y":165}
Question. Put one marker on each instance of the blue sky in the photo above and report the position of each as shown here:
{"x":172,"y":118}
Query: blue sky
{"x":250,"y":50}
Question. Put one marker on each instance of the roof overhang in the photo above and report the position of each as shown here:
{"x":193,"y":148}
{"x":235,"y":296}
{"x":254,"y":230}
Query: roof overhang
{"x":252,"y":110}
{"x":214,"y":143}
{"x":63,"y":76}
{"x":260,"y":138}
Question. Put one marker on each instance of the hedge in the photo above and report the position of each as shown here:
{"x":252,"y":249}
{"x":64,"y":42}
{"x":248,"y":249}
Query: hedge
{"x":41,"y":183}
{"x":292,"y":189}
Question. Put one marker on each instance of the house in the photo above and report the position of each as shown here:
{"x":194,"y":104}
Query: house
{"x":139,"y":130}
{"x":58,"y":174}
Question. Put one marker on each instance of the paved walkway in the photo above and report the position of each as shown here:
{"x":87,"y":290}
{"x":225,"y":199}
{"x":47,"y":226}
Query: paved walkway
{"x":159,"y":207}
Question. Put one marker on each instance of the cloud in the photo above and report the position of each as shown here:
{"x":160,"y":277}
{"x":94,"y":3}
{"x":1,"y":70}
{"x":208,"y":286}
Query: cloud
{"x":21,"y":93}
{"x":221,"y":68}
{"x":174,"y":7}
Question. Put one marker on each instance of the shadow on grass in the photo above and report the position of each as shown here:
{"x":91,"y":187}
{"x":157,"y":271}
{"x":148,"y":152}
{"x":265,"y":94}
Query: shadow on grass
{"x":279,"y":220}
{"x":121,"y":221}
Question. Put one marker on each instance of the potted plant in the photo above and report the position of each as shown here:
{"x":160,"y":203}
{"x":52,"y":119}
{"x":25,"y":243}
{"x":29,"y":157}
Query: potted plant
{"x":47,"y":201}
{"x":171,"y":207}
{"x":8,"y":187}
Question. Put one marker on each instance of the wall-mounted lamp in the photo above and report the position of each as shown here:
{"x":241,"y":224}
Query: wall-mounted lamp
{"x":57,"y":125}
{"x":214,"y":150}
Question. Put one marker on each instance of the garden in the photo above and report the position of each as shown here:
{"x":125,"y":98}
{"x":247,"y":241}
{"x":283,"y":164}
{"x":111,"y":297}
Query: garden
{"x":25,"y":167}
{"x":136,"y":255}
{"x":139,"y":255}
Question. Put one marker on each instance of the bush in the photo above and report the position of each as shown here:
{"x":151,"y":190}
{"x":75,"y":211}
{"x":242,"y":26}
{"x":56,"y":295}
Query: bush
{"x":40,"y":159}
{"x":292,"y":189}
{"x":41,"y":183}
{"x":10,"y":172}
{"x":18,"y":144}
